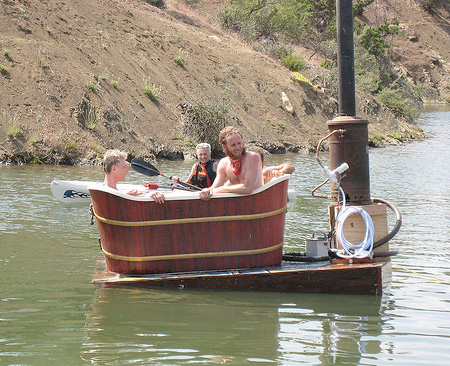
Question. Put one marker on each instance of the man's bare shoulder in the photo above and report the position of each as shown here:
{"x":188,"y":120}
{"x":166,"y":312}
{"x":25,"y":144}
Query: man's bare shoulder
{"x":252,"y":156}
{"x":224,"y":161}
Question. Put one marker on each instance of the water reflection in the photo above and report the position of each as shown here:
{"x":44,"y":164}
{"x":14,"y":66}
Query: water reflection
{"x":198,"y":327}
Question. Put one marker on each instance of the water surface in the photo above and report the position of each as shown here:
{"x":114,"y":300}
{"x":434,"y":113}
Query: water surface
{"x":50,"y":313}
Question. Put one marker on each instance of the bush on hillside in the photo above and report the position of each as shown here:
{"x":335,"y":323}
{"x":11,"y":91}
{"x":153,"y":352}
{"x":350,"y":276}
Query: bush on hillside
{"x":429,"y":5}
{"x":158,"y":3}
{"x":203,"y":122}
{"x":359,"y":5}
{"x":273,"y":48}
{"x":256,"y":19}
{"x":293,"y":62}
{"x":394,"y":100}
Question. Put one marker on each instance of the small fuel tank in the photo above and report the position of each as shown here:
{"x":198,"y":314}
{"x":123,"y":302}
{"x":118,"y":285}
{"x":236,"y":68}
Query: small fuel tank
{"x":317,"y":246}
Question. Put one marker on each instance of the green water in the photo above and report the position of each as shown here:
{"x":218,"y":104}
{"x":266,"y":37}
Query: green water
{"x":51,"y":314}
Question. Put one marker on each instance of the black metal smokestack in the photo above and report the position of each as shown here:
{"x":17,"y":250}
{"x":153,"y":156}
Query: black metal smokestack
{"x":352,"y":145}
{"x":346,"y":58}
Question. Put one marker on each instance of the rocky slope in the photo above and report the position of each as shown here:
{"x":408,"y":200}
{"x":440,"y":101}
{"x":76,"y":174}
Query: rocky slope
{"x":74,"y":73}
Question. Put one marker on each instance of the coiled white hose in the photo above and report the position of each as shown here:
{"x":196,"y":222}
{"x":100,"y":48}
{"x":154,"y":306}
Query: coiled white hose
{"x":349,"y":250}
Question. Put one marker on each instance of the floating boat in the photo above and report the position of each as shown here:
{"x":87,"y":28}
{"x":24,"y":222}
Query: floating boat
{"x":70,"y":191}
{"x":76,"y":191}
{"x":230,"y":242}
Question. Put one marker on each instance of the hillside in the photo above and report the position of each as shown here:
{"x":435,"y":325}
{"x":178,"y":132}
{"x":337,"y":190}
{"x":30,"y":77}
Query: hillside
{"x":76,"y":70}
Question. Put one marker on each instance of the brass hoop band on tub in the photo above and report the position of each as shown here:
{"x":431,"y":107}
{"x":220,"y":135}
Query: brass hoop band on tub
{"x":189,"y":220}
{"x":168,"y":257}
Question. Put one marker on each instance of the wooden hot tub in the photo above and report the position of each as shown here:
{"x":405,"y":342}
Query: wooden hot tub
{"x":139,"y":236}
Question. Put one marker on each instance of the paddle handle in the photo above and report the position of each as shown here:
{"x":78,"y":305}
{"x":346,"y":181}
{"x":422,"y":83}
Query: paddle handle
{"x":185,"y":184}
{"x":156,"y":186}
{"x":166,"y":176}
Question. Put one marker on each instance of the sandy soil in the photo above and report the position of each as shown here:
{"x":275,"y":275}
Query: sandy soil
{"x":76,"y":71}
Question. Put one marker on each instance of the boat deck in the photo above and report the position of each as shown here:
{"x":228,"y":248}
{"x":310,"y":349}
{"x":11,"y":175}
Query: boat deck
{"x":312,"y":277}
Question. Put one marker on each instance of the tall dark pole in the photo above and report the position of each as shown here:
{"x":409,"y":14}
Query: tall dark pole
{"x":346,"y":58}
{"x":352,"y":146}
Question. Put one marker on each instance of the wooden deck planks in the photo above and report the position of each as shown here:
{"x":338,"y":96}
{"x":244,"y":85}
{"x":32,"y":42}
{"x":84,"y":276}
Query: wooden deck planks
{"x":318,"y":277}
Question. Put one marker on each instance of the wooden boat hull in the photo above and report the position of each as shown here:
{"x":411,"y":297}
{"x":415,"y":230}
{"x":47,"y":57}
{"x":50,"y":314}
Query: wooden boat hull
{"x":301,"y":277}
{"x":138,"y":236}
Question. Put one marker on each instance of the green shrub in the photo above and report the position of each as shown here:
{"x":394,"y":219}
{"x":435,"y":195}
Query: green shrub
{"x":203,"y":122}
{"x":47,"y":28}
{"x":188,"y":142}
{"x":34,"y":139}
{"x":95,"y":147}
{"x":12,"y":122}
{"x":367,"y":71}
{"x":23,"y":14}
{"x":34,"y":159}
{"x":276,"y":49}
{"x":4,"y":70}
{"x":399,"y":136}
{"x":359,"y":5}
{"x":369,"y":81}
{"x":327,"y":64}
{"x":376,"y":140}
{"x":235,"y":19}
{"x":395,"y":101}
{"x":179,"y":59}
{"x":88,"y":114}
{"x":292,"y":20}
{"x":102,"y":39}
{"x":151,"y":90}
{"x":92,"y":84}
{"x":417,"y":132}
{"x":374,"y":39}
{"x":293,"y":62}
{"x":115,"y":83}
{"x":424,"y":91}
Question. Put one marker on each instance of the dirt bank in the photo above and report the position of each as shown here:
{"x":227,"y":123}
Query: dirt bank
{"x":76,"y":72}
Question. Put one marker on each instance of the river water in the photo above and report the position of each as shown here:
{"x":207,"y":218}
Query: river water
{"x":51,"y":314}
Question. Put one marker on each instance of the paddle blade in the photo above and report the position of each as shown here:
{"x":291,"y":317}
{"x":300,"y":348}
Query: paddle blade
{"x":143,"y":167}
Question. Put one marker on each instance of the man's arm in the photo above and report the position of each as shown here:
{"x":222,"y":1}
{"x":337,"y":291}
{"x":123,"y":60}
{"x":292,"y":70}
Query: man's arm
{"x":285,"y":168}
{"x":221,"y":177}
{"x":157,"y":196}
{"x":193,"y":171}
{"x":176,"y":179}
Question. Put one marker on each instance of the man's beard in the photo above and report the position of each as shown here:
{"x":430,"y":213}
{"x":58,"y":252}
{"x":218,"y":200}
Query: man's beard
{"x":230,"y":154}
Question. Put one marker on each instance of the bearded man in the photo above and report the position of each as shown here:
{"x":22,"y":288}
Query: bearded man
{"x":240,"y":172}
